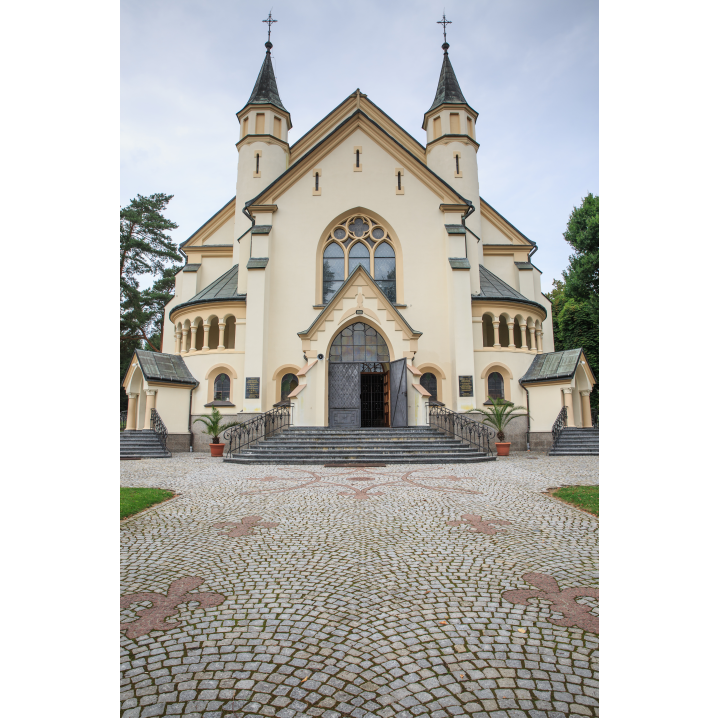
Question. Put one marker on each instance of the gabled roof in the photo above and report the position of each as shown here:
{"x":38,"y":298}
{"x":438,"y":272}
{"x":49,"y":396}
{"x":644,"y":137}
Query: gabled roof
{"x":494,"y":288}
{"x":553,"y":365}
{"x":164,"y":368}
{"x":359,"y":269}
{"x":222,"y":289}
{"x":448,"y":91}
{"x":357,"y":118}
{"x":265,"y":90}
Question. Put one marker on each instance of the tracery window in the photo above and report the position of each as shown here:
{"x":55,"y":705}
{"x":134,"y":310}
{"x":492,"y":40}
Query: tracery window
{"x":360,"y":240}
{"x":496,"y":385}
{"x":221,"y":388}
{"x":359,"y":342}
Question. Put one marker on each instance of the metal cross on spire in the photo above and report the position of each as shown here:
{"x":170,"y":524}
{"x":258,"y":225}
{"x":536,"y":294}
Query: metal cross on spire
{"x":269,"y":22}
{"x":444,"y":22}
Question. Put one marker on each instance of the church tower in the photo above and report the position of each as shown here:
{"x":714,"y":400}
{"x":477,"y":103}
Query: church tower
{"x":451,"y":144}
{"x":263,"y":146}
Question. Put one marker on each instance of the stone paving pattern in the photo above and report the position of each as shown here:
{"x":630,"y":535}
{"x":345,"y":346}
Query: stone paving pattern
{"x":390,"y":605}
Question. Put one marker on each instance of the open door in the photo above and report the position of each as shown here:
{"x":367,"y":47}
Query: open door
{"x":399,"y":400}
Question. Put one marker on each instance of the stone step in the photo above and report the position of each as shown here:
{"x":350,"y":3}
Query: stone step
{"x":577,"y":452}
{"x":422,"y":443}
{"x":372,"y":458}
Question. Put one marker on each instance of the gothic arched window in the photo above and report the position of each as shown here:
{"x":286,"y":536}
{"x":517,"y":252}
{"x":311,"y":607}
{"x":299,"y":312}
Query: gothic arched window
{"x":496,"y":385}
{"x":428,"y":381}
{"x":221,"y":388}
{"x":385,"y":270}
{"x":359,"y":254}
{"x":289,"y":384}
{"x":333,"y":271}
{"x":359,"y":342}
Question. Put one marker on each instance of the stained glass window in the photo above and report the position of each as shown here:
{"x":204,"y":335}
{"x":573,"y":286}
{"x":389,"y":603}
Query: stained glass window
{"x":358,"y":254}
{"x":385,"y":270}
{"x":289,"y":384}
{"x":359,"y":342}
{"x":333,"y":271}
{"x":358,"y":227}
{"x":221,"y":388}
{"x":496,"y":385}
{"x":428,"y":381}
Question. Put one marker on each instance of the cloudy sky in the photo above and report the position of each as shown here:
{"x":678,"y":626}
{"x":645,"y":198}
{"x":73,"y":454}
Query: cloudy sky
{"x":529,"y":68}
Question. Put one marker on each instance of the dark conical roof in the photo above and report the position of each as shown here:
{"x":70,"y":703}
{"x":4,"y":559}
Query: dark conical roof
{"x":448,"y":90}
{"x":265,"y":88}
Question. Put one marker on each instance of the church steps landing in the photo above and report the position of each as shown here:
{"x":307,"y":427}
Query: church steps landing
{"x":317,"y":445}
{"x":142,"y":445}
{"x":573,"y":441}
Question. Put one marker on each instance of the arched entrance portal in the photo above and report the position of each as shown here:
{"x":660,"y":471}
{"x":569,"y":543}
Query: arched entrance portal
{"x":365,"y":388}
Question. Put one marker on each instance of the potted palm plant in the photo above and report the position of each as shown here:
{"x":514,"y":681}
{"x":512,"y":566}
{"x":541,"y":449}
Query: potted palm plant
{"x":214,"y":427}
{"x":499,"y":415}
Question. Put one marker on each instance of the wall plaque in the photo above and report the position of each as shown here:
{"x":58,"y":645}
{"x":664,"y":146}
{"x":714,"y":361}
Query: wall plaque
{"x":466,"y":385}
{"x":251,"y":390}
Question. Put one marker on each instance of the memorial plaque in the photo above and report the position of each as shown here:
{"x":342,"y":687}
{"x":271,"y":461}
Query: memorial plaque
{"x":251,"y":390}
{"x":466,"y":386}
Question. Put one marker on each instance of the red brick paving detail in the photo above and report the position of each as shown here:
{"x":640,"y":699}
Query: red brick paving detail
{"x":561,"y":601}
{"x":246,"y":526}
{"x":155,"y":618}
{"x":479,"y":526}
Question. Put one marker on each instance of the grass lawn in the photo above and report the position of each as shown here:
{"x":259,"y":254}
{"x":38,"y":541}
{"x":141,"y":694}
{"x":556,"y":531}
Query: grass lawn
{"x":134,"y":500}
{"x":585,"y":497}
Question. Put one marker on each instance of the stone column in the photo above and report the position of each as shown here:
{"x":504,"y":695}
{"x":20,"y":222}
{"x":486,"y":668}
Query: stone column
{"x":222,"y":326}
{"x":496,"y":324}
{"x":568,"y":400}
{"x":184,"y":349}
{"x":131,"y":413}
{"x":586,"y":408}
{"x":523,"y":337}
{"x":205,"y":346}
{"x":533,"y":339}
{"x":539,"y":337}
{"x":511,"y":334}
{"x":193,"y":345}
{"x":149,"y":405}
{"x":177,"y":341}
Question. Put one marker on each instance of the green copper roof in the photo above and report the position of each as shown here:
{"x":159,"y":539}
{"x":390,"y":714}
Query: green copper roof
{"x":494,"y":288}
{"x":448,"y":90}
{"x":222,"y":289}
{"x":553,"y":365}
{"x":459,"y":263}
{"x":160,"y":367}
{"x":265,"y":90}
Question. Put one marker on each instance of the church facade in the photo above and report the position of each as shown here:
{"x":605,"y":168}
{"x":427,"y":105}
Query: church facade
{"x":359,"y":277}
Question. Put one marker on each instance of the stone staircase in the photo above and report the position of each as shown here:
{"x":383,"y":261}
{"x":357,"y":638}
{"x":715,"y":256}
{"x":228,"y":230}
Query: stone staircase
{"x":318,"y":445}
{"x":142,"y":445}
{"x":576,"y":442}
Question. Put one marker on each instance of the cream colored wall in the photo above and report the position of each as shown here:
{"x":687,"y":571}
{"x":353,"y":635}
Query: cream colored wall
{"x":222,"y":235}
{"x":172,"y":404}
{"x":545,"y":403}
{"x":492,"y":234}
{"x":517,"y":364}
{"x":212,"y":268}
{"x":547,"y":324}
{"x":526,"y":282}
{"x":503,"y":267}
{"x":200,"y":365}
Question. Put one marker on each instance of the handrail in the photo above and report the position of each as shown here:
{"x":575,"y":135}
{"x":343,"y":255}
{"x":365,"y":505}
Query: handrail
{"x":559,"y":425}
{"x":476,"y":433}
{"x":594,"y":418}
{"x":123,"y":420}
{"x":158,"y":426}
{"x":260,"y":427}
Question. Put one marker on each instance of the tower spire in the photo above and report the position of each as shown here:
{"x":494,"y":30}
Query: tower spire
{"x":448,"y":90}
{"x":265,"y":88}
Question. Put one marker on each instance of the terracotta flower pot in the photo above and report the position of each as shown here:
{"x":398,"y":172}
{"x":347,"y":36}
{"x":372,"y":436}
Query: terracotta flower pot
{"x":502,"y":448}
{"x":218,"y":449}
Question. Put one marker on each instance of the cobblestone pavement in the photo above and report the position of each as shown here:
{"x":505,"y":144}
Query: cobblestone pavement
{"x":399,"y":591}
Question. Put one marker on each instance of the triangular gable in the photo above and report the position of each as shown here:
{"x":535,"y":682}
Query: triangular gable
{"x":359,"y":279}
{"x":211,"y":225}
{"x":359,"y":120}
{"x":503,"y":224}
{"x":160,"y":368}
{"x":355,"y":101}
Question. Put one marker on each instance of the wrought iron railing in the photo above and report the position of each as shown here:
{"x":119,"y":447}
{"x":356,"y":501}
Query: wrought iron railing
{"x":560,"y":424}
{"x":256,"y":429}
{"x":594,"y":418}
{"x":158,"y":426}
{"x":474,"y":432}
{"x":123,"y":420}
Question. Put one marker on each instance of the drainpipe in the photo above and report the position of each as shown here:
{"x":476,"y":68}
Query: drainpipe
{"x":528,"y":416}
{"x":189,"y":420}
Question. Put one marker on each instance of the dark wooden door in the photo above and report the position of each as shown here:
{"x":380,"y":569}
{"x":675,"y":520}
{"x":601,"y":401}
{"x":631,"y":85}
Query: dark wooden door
{"x":399,"y":401}
{"x":344,"y":395}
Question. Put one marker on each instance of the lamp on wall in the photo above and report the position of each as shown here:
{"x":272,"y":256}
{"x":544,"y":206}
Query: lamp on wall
{"x":320,"y":356}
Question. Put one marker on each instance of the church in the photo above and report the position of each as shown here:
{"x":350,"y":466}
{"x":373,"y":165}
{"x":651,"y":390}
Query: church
{"x":358,"y":277}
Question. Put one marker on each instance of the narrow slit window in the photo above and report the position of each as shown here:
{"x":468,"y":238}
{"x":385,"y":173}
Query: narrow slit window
{"x":257,"y":165}
{"x":316,"y":180}
{"x":398,"y":177}
{"x":357,"y":158}
{"x":457,"y":164}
